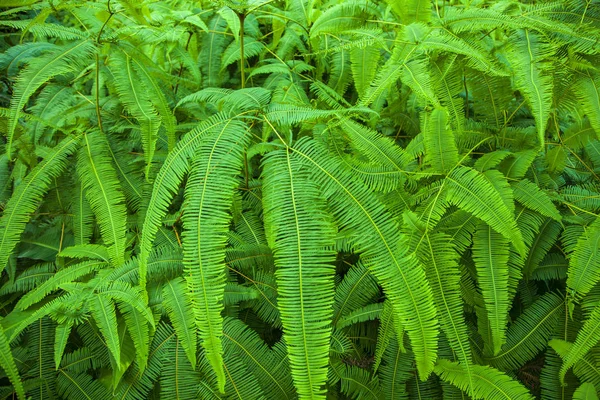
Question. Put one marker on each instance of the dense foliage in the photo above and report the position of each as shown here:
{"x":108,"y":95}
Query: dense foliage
{"x":268,"y":199}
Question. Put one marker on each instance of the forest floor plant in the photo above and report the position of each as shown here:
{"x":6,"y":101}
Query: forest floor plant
{"x":269,"y":199}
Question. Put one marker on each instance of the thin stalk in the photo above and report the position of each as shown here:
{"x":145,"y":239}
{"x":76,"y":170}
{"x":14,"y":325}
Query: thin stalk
{"x":242,"y":17}
{"x":98,"y":93}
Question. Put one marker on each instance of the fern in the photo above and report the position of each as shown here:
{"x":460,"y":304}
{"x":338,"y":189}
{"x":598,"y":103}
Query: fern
{"x":300,"y":237}
{"x":300,"y":199}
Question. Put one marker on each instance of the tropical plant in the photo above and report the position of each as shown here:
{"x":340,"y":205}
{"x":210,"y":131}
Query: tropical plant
{"x":269,"y":199}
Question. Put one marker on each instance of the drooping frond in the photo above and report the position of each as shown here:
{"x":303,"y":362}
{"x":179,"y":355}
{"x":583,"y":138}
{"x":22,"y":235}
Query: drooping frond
{"x":178,"y":305}
{"x":397,"y":368}
{"x":529,"y":333}
{"x":490,"y":254}
{"x":489,"y":383}
{"x":364,"y":62}
{"x":103,"y":311}
{"x":168,"y":179}
{"x":269,"y":365}
{"x":587,"y":337}
{"x":65,"y":275}
{"x":471,"y":191}
{"x":302,"y":238}
{"x":586,"y":391}
{"x":61,"y":60}
{"x":7,"y":363}
{"x":103,"y":193}
{"x":584,"y":262}
{"x":528,"y":194}
{"x":382,"y":252}
{"x":136,"y":98}
{"x":527,"y":55}
{"x":28,"y":194}
{"x":439,"y":141}
{"x":209,"y":194}
{"x":439,"y":258}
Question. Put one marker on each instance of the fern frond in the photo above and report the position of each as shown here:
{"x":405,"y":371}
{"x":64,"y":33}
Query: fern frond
{"x":490,"y":254}
{"x":440,"y":146}
{"x":527,"y":56}
{"x":136,"y":98}
{"x":301,"y":235}
{"x":209,"y":195}
{"x":587,"y":337}
{"x":364,"y":62}
{"x":529,"y":333}
{"x":93,"y":251}
{"x":528,"y":194}
{"x":168,"y":179}
{"x":397,"y":368}
{"x":440,"y":261}
{"x":61,"y":336}
{"x":404,"y":284}
{"x":586,"y":391}
{"x":178,"y":305}
{"x":64,"y":275}
{"x":411,"y":11}
{"x":103,"y":311}
{"x":269,"y":366}
{"x":489,"y":383}
{"x":7,"y":363}
{"x":62,"y":60}
{"x":102,"y":190}
{"x":356,"y":290}
{"x":29,"y":193}
{"x":471,"y":191}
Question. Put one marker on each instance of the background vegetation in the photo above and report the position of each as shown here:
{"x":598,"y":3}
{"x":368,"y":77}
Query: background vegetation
{"x":270,"y":199}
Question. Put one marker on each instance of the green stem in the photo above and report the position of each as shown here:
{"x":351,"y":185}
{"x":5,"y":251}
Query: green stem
{"x":242,"y":17}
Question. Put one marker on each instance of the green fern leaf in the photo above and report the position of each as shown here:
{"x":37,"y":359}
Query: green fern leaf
{"x":403,"y":282}
{"x":65,"y":275}
{"x":489,"y":383}
{"x":301,"y":236}
{"x":471,"y":191}
{"x":102,"y":190}
{"x":62,"y":60}
{"x":412,"y":10}
{"x":209,"y":193}
{"x":61,"y":336}
{"x":527,"y":56}
{"x":528,"y":194}
{"x":168,"y":179}
{"x":440,"y":146}
{"x":584,"y":262}
{"x":181,"y":314}
{"x":586,"y":391}
{"x":268,"y":365}
{"x":7,"y":363}
{"x":103,"y":311}
{"x":490,"y":253}
{"x":29,"y":193}
{"x":529,"y":334}
{"x":364,"y":67}
{"x":136,"y":98}
{"x":587,"y":337}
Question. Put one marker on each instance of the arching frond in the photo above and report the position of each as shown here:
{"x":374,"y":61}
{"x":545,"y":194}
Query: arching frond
{"x":29,"y":193}
{"x":61,"y":60}
{"x":302,"y":239}
{"x":469,"y":190}
{"x":178,"y":305}
{"x":489,"y":383}
{"x":103,"y":193}
{"x":380,"y":243}
{"x":209,"y":194}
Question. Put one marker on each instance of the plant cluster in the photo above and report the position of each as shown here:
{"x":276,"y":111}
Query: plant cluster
{"x":269,"y":199}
